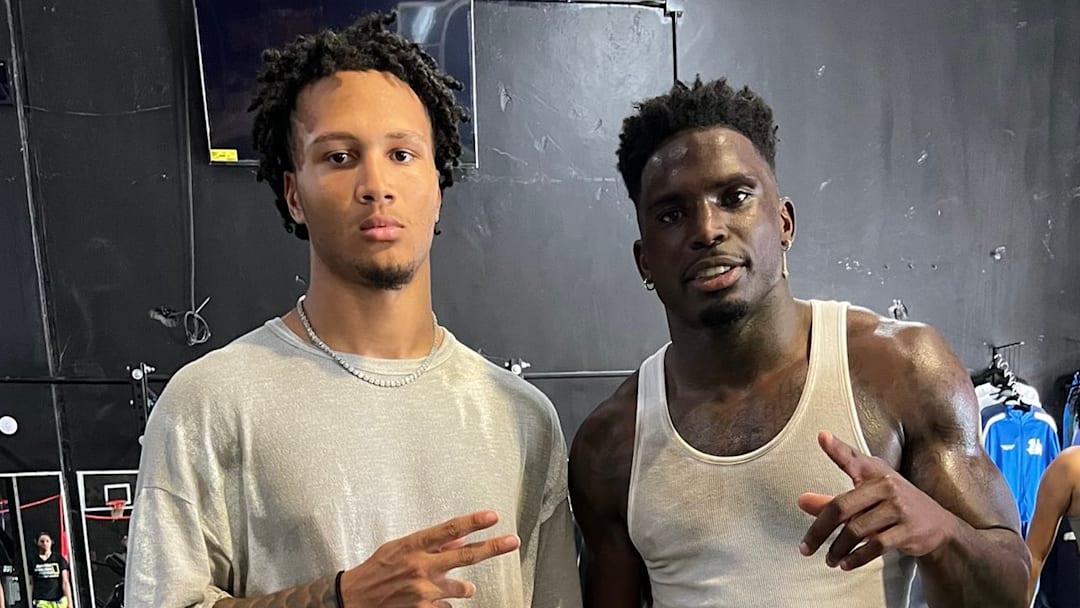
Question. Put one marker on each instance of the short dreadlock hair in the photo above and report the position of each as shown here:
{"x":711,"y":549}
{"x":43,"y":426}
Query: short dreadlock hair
{"x":368,"y":44}
{"x":701,"y":105}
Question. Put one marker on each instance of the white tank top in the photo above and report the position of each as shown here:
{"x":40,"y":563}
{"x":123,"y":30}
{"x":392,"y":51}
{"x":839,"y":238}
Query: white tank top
{"x":722,"y":532}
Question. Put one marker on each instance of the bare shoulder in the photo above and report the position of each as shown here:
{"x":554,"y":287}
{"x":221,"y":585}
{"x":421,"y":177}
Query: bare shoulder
{"x":913,"y":373}
{"x":1062,"y":478}
{"x":912,"y":346}
{"x":608,"y":432}
{"x":1067,"y":464}
{"x":602,"y":453}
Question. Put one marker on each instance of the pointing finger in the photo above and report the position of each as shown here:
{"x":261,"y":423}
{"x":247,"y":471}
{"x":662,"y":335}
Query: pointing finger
{"x":859,"y":467}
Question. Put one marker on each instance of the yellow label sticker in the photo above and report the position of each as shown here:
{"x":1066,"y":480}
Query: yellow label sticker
{"x":223,"y":155}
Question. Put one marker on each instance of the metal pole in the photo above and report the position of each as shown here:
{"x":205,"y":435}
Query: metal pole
{"x":86,"y":533}
{"x":615,"y":373}
{"x":73,"y":563}
{"x":21,"y":539}
{"x":60,"y":380}
{"x":54,"y":380}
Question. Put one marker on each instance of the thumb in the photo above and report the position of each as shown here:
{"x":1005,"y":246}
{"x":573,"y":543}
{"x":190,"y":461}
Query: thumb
{"x":814,"y":504}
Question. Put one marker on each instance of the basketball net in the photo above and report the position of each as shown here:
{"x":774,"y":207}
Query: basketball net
{"x":116,"y":509}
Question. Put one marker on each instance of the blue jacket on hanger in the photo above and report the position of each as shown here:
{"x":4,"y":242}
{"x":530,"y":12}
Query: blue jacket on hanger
{"x":1022,"y":442}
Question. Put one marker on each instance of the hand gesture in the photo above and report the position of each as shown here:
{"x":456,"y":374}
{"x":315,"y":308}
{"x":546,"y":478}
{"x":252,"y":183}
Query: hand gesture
{"x":883,"y":512}
{"x":411,"y":572}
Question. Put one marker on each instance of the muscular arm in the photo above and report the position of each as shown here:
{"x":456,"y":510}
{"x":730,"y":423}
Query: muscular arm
{"x":983,"y":561}
{"x":1055,"y":497}
{"x":600,"y":463}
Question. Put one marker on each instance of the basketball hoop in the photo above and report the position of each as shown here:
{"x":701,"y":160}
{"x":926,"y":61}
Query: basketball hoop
{"x":116,"y":509}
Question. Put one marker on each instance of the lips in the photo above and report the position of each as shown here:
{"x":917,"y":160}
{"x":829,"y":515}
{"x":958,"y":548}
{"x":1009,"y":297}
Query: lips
{"x":712,"y":272}
{"x":717,"y":264}
{"x":380,"y":221}
{"x":381,"y":229}
{"x":718,"y":282}
{"x":716,"y":273}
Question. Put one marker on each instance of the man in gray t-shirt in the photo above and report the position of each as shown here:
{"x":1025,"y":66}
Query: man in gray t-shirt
{"x":343,"y":455}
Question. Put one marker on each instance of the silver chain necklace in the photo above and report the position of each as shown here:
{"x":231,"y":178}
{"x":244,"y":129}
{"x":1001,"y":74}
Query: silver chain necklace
{"x":379,"y":382}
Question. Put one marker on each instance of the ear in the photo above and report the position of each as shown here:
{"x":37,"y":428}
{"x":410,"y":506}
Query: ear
{"x":642,"y":263}
{"x":438,"y":204}
{"x":292,"y":198}
{"x":787,"y":219}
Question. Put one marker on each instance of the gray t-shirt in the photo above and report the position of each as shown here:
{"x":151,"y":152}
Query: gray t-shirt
{"x":265,"y":465}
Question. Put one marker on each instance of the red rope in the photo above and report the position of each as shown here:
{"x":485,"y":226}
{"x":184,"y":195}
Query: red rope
{"x":107,"y":517}
{"x":65,"y":546}
{"x":40,"y":502}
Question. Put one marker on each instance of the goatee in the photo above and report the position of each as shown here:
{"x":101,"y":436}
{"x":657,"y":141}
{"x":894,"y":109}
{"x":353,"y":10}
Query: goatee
{"x":386,"y":279}
{"x":721,"y":315}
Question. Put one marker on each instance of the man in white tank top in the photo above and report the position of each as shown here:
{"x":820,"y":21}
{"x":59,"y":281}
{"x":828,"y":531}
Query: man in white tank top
{"x":778,"y":452}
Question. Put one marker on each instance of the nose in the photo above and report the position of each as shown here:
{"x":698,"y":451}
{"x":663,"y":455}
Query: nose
{"x":709,"y":225}
{"x":372,"y":186}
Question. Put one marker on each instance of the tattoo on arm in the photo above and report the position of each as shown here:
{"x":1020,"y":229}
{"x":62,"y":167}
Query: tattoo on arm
{"x":317,"y":594}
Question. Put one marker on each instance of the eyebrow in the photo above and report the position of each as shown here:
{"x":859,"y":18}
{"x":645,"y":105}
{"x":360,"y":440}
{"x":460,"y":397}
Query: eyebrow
{"x":669,"y":195}
{"x":405,"y":135}
{"x":343,"y":136}
{"x":739,"y":177}
{"x":334,"y":136}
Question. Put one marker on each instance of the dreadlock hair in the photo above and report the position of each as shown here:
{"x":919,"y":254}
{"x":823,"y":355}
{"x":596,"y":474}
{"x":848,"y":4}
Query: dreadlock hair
{"x":368,"y":44}
{"x":701,"y":105}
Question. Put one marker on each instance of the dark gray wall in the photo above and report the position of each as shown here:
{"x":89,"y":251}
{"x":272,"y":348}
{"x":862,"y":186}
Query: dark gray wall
{"x":535,"y":257}
{"x":915,"y":138}
{"x":22,"y":341}
{"x":104,"y":120}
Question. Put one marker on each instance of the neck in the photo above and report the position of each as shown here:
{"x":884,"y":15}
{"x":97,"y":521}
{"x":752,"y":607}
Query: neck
{"x":769,"y":337}
{"x":356,"y":319}
{"x":45,"y":554}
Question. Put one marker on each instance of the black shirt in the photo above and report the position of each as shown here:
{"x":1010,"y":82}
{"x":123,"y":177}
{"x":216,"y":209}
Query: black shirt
{"x":47,"y":575}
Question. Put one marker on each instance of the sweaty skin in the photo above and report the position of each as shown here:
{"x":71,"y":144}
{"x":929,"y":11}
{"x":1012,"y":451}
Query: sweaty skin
{"x":736,"y":369}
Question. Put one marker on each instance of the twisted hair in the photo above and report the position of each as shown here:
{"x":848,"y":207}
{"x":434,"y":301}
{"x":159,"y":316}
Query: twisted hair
{"x":700,"y":105}
{"x":368,"y":44}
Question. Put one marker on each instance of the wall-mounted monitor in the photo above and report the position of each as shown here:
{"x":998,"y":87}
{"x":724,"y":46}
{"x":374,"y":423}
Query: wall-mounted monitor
{"x":233,"y":33}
